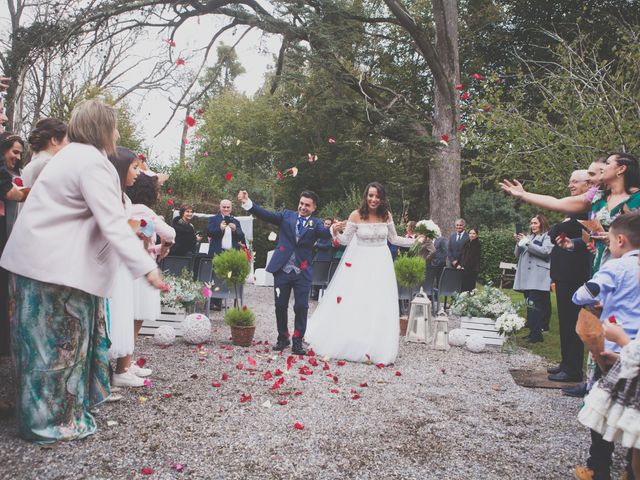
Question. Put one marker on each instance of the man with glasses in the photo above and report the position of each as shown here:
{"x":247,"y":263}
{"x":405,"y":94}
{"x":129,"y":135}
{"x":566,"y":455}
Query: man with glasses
{"x":569,"y":270}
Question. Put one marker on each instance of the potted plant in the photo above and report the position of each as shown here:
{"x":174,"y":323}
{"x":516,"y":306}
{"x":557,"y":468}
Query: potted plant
{"x":232,"y":267}
{"x":409,"y":274}
{"x":490,"y":302}
{"x":243,"y":325}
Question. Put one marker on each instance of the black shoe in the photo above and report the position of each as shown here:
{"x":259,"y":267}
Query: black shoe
{"x":298,"y":348}
{"x":281,"y":345}
{"x":554,"y":370}
{"x":564,"y":377}
{"x":578,"y":391}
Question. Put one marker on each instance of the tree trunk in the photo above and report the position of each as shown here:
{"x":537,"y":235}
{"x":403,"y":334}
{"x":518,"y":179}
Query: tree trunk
{"x":444,"y":172}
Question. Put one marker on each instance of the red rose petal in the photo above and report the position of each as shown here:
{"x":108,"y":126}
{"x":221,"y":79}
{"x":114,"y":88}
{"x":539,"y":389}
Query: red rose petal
{"x":465,"y":96}
{"x":462,"y":127}
{"x":170,"y":202}
{"x":297,"y":392}
{"x":282,"y":402}
{"x":355,"y":397}
{"x":172,"y":43}
{"x":459,"y":87}
{"x":303,"y":378}
{"x":200,"y":111}
{"x":228,"y":176}
{"x":245,"y":398}
{"x":398,"y":374}
{"x":347,"y":264}
{"x":268,"y":376}
{"x":167,"y":395}
{"x":299,"y":426}
{"x":225,"y":376}
{"x":239,"y":366}
{"x":190,"y":121}
{"x":180,"y":61}
{"x":353,"y":390}
{"x":147,"y":471}
{"x":380,"y":365}
{"x":341,"y":363}
{"x":278,"y":372}
{"x":334,"y":390}
{"x":141,"y":361}
{"x":338,"y":299}
{"x":216,"y":385}
{"x":303,"y":265}
{"x":296,"y":333}
{"x":612,"y":319}
{"x":477,"y":76}
{"x":282,"y":248}
{"x":141,"y":156}
{"x":444,"y":138}
{"x":325,"y":366}
{"x":251,"y":361}
{"x":364,"y":384}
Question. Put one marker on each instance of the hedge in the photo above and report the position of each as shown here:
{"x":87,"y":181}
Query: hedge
{"x":497,"y":246}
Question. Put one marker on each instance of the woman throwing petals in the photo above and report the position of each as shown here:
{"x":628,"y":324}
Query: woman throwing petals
{"x":357,"y":318}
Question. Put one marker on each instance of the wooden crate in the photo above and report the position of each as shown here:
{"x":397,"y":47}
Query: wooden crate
{"x":171,"y":317}
{"x":485,"y":327}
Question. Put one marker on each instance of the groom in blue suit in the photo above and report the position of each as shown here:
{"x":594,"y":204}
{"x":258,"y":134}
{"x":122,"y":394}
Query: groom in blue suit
{"x":291,"y":262}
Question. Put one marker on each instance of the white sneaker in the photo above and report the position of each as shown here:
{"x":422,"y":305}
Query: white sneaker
{"x":139,"y":371}
{"x":114,"y":397}
{"x":127,"y":379}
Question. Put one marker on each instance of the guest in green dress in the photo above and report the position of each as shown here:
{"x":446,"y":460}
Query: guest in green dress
{"x":62,"y":256}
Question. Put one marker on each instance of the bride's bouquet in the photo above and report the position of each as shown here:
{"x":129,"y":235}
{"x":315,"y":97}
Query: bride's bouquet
{"x":428,"y":228}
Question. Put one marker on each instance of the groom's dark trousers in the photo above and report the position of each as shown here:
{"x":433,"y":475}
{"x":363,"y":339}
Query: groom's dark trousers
{"x":283,"y":284}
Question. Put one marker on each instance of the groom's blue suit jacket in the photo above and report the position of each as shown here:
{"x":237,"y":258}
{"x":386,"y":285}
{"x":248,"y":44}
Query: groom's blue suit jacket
{"x":303,"y":249}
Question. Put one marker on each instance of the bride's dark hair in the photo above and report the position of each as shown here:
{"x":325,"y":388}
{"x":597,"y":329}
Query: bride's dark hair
{"x":383,"y":207}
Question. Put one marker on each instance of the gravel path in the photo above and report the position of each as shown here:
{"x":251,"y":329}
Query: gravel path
{"x":452,"y":415}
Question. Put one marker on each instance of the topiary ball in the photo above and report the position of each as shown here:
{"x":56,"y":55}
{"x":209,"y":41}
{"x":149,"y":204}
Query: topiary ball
{"x":165,"y":335}
{"x":196,"y":329}
{"x":457,"y":337}
{"x":475,"y":343}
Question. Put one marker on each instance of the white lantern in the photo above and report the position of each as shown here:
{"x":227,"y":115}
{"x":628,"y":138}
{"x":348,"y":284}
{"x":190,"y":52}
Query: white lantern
{"x":420,"y":328}
{"x":441,"y":333}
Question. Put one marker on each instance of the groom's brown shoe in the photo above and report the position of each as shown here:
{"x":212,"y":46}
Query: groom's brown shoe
{"x":281,"y":345}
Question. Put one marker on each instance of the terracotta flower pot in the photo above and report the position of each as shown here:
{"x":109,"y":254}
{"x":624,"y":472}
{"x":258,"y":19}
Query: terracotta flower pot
{"x":242,"y":336}
{"x":404,"y":323}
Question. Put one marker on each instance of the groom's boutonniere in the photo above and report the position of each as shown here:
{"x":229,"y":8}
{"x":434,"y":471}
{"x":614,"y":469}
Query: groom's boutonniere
{"x":310,"y":223}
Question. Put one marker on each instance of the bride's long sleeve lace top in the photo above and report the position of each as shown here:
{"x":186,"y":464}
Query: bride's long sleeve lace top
{"x":373,"y":234}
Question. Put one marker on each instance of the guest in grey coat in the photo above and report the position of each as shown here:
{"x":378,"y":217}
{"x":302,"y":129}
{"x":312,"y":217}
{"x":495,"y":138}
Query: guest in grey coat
{"x":533,"y":276}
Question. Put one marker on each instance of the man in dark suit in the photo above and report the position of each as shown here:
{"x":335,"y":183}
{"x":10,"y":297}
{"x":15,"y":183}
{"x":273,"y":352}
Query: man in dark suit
{"x":456,"y":242}
{"x":291,"y":262}
{"x":224,"y":230}
{"x":569,"y":270}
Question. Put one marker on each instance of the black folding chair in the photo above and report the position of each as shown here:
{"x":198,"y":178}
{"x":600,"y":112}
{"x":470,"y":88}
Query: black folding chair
{"x":450,"y":283}
{"x":174,"y":265}
{"x":429,"y":286}
{"x":221,"y":291}
{"x":205,"y":274}
{"x":333,"y":268}
{"x":320,"y":275}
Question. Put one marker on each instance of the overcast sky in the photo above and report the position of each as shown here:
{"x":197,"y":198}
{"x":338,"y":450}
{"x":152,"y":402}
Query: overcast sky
{"x":152,"y":110}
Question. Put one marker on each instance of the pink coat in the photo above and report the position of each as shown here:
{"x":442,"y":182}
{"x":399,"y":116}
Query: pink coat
{"x":73,"y":230}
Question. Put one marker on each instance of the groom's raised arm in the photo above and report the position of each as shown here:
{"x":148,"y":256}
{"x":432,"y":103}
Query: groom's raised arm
{"x":257,"y":210}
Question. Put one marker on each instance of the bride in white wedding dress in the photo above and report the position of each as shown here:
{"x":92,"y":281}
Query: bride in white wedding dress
{"x":357,"y":318}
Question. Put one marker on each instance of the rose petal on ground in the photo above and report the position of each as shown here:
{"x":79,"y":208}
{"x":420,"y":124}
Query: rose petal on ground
{"x":398,"y":374}
{"x":147,"y":471}
{"x":299,"y":426}
{"x":216,"y":385}
{"x":355,"y":397}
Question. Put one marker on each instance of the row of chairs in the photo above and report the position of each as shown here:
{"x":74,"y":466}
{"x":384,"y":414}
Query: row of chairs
{"x":449,"y":283}
{"x":202,"y":269}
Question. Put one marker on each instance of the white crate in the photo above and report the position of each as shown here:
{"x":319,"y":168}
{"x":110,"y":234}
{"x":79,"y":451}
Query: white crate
{"x":485,"y":327}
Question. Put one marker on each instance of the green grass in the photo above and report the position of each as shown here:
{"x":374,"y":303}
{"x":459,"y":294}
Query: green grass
{"x":550,"y":348}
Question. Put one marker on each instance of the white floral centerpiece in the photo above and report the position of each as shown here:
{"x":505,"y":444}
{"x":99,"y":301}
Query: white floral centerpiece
{"x":508,"y":325}
{"x":183,"y":292}
{"x":490,"y":302}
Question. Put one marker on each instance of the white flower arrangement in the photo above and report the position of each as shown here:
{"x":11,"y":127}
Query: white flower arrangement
{"x":183,"y":291}
{"x":428,"y":228}
{"x":490,"y":302}
{"x":509,"y":323}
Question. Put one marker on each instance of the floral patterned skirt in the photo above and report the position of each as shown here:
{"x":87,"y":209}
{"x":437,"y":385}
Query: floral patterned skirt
{"x":60,"y":349}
